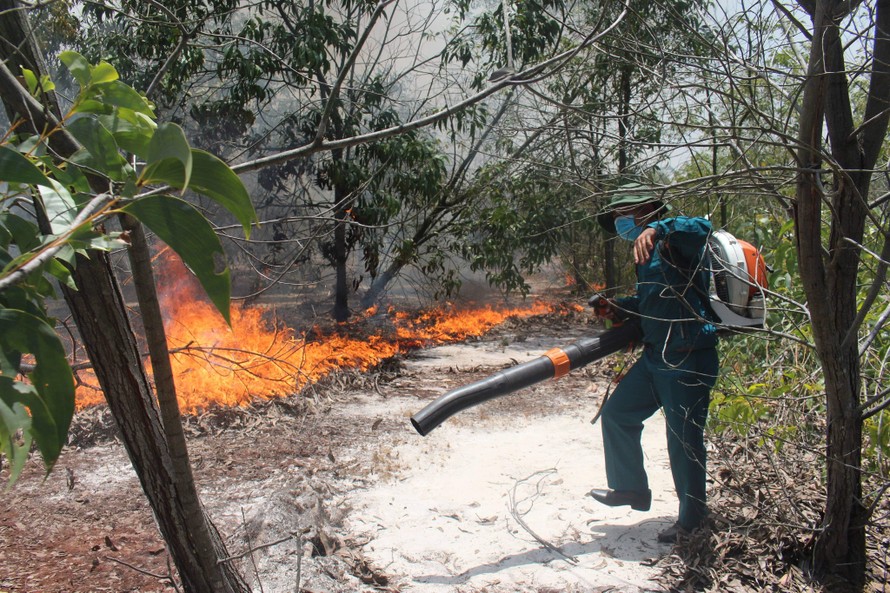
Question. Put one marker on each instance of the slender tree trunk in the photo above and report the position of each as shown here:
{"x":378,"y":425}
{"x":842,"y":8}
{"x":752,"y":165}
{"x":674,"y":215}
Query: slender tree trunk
{"x":421,"y":235}
{"x":208,"y":547}
{"x":341,"y":256}
{"x":721,"y":200}
{"x":611,"y":270}
{"x":100,"y":313}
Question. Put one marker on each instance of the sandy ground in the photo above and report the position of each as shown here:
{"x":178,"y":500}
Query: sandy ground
{"x":497,"y":501}
{"x":494,"y":500}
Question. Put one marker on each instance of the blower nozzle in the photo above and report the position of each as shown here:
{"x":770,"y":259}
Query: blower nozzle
{"x":552,"y":365}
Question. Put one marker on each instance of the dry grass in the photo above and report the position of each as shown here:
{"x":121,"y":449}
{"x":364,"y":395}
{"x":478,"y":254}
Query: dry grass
{"x":765,"y":506}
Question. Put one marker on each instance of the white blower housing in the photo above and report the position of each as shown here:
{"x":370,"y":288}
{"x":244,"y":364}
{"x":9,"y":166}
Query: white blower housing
{"x":738,"y":279}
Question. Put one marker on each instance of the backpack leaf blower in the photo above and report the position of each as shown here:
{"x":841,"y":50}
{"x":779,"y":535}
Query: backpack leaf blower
{"x":738,"y":274}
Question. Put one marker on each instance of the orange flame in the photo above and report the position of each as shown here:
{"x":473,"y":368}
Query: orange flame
{"x":259,"y":359}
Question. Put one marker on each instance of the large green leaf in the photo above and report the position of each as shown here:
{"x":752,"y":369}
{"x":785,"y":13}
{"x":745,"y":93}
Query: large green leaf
{"x":15,"y":168}
{"x":49,"y":392}
{"x":102,"y":72}
{"x":211,"y":177}
{"x":60,"y":207}
{"x":169,"y":142}
{"x":132,"y":131}
{"x":190,"y":235}
{"x":24,"y":233}
{"x":101,"y":149}
{"x":118,"y":94}
{"x":21,"y":298}
{"x":77,"y":65}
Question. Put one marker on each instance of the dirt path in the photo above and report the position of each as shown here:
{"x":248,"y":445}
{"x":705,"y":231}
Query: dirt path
{"x":345,"y":496}
{"x":494,"y":499}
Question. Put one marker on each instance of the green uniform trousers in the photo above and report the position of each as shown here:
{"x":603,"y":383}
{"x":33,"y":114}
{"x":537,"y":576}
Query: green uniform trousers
{"x":682,"y":389}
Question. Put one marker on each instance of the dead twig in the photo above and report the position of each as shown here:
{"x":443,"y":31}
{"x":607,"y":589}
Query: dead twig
{"x":253,"y":549}
{"x":512,"y":506}
{"x":299,"y":535}
{"x":250,"y":550}
{"x":162,"y":577}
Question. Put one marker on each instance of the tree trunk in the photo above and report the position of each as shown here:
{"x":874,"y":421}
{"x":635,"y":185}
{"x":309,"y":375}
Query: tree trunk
{"x":421,"y":235}
{"x":341,"y":256}
{"x":100,"y":313}
{"x":830,"y":275}
{"x":612,"y":271}
{"x":379,"y":286}
{"x":205,"y":541}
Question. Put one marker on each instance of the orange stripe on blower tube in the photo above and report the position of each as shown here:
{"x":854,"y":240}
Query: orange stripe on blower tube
{"x":561,"y":363}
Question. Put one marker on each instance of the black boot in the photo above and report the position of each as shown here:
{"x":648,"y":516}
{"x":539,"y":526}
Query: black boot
{"x":672,"y":534}
{"x":638,"y":500}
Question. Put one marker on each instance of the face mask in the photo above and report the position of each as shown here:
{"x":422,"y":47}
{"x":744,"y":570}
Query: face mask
{"x":627,"y":228}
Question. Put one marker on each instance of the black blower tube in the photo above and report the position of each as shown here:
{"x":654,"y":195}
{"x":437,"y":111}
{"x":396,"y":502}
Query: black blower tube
{"x":554,"y":364}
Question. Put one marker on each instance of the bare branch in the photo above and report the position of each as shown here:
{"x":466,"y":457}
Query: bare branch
{"x":527,"y":76}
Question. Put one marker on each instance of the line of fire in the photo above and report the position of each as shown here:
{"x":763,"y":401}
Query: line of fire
{"x":259,"y":357}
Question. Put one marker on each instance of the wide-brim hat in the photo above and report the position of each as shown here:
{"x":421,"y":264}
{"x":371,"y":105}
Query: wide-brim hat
{"x":628,"y":195}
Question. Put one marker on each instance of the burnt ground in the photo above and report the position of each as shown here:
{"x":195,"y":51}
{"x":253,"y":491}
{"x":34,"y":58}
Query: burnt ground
{"x":333,"y":491}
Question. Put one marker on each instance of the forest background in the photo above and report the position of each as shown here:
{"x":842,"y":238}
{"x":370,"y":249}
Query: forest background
{"x":385,"y":147}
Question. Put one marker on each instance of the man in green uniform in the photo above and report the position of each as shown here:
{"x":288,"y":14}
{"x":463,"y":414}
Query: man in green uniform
{"x":678,"y":365}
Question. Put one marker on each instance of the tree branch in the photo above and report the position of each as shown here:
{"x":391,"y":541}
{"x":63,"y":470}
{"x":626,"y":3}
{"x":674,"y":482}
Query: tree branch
{"x":521,"y":78}
{"x":344,"y":71}
{"x":55,"y":246}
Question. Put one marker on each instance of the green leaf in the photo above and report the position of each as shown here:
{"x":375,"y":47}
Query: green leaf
{"x":102,"y":150}
{"x":190,"y":235}
{"x":13,"y":419}
{"x":131,"y":131}
{"x":35,"y":86}
{"x":140,"y":121}
{"x":169,"y":142}
{"x":24,"y":232}
{"x":49,"y":393}
{"x":67,"y":254}
{"x":78,"y":66}
{"x":21,"y":298}
{"x":73,"y":178}
{"x":17,"y":168}
{"x":210,"y":177}
{"x":93,"y":106}
{"x":85,"y":238}
{"x":103,"y":72}
{"x":118,"y":94}
{"x":30,"y":80}
{"x":61,"y":273}
{"x":5,"y":238}
{"x":46,"y":84}
{"x":31,"y":145}
{"x":60,"y":207}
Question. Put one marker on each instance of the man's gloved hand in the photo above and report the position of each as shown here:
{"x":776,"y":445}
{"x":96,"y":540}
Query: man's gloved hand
{"x":604,"y":309}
